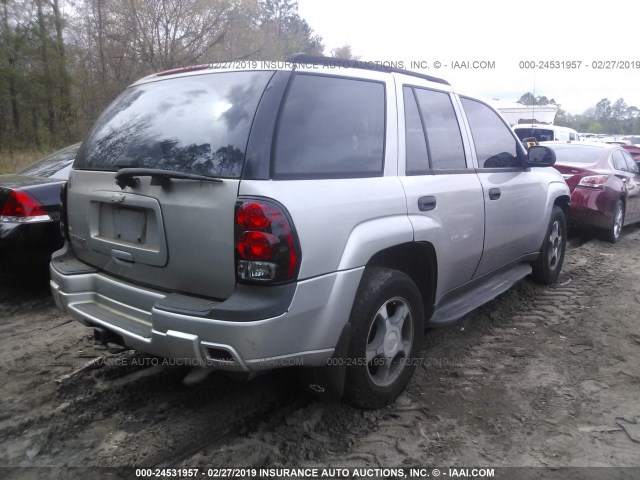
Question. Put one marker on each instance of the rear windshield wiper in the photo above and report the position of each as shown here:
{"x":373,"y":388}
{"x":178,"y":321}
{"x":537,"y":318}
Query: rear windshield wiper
{"x":128,"y":177}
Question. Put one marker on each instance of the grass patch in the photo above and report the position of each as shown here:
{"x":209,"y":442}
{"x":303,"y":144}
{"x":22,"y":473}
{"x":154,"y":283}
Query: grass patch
{"x":10,"y":162}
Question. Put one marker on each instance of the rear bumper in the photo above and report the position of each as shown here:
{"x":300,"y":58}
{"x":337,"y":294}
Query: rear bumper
{"x":28,"y":245}
{"x":41,"y":235}
{"x":592,"y":208}
{"x":305,"y":334}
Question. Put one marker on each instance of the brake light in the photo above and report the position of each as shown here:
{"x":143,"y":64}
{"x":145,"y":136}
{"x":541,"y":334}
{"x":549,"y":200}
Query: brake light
{"x":21,"y":207}
{"x":252,"y":216}
{"x":594,"y":181}
{"x":266,"y":244}
{"x":257,"y":245}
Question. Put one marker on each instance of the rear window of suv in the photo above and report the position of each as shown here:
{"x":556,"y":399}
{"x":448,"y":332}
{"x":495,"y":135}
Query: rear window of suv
{"x":330,"y":127}
{"x":196,"y":124}
{"x":540,"y":134}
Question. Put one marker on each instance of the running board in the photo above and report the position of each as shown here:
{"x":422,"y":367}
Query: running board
{"x":478,"y":294}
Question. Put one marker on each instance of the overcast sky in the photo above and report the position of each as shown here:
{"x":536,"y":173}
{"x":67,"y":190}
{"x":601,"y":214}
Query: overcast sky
{"x":504,"y":32}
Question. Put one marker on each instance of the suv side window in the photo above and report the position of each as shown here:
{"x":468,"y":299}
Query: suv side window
{"x":495,"y":145}
{"x":330,"y":127}
{"x":416,"y":145}
{"x":444,"y":140}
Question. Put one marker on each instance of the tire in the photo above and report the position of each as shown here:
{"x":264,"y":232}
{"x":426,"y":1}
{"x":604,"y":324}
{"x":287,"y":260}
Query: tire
{"x":548,"y":265}
{"x":615,"y":230}
{"x":388,"y":308}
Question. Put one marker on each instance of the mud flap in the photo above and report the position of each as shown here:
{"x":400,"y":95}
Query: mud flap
{"x":328,"y":381}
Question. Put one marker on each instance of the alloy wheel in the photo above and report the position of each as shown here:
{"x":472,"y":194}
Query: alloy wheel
{"x":389,"y":341}
{"x":555,"y":245}
{"x":617,"y":226}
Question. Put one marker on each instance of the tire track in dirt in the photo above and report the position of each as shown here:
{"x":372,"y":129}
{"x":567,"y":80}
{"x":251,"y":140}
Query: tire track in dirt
{"x":532,"y":370}
{"x":509,"y":385}
{"x":127,"y":414}
{"x":125,"y":409}
{"x":392,"y":436}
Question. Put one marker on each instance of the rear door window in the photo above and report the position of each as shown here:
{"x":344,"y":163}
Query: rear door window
{"x":443,"y":133}
{"x":195,"y":124}
{"x":632,"y":166}
{"x":56,"y":165}
{"x":618,"y":161}
{"x":416,"y":145}
{"x":330,"y":127}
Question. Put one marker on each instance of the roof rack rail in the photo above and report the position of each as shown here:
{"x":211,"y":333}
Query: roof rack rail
{"x":303,"y":58}
{"x":190,"y":68}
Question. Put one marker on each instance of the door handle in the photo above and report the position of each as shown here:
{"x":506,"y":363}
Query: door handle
{"x":494,"y":194}
{"x":120,"y":255}
{"x":427,"y":203}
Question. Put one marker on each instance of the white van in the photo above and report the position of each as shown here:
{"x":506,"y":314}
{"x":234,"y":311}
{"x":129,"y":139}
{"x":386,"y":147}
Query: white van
{"x":545,"y":133}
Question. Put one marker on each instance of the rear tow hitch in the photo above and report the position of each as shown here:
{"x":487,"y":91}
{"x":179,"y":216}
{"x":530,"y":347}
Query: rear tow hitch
{"x":104,"y":337}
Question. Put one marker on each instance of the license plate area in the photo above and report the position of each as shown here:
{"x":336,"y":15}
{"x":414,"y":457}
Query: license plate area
{"x":130,"y":229}
{"x":129,"y":224}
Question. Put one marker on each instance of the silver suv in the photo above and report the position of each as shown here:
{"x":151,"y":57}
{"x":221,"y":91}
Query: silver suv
{"x":320,"y":214}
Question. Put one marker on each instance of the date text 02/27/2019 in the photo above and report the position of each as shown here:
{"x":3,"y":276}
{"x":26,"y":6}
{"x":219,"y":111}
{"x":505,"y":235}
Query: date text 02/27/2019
{"x":579,"y":65}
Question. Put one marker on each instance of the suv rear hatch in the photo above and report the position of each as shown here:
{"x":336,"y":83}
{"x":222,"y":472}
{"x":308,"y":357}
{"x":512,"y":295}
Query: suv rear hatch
{"x":171,"y":230}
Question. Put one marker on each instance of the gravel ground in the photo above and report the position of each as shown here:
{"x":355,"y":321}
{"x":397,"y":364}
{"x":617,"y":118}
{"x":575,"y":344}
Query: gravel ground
{"x":541,"y":376}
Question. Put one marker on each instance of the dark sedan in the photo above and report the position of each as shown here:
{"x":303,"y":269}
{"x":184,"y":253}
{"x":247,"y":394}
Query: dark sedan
{"x":604,"y":181}
{"x":29,"y":209}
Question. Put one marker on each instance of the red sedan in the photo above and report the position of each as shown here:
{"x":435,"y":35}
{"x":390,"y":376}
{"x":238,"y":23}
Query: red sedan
{"x":604,"y":181}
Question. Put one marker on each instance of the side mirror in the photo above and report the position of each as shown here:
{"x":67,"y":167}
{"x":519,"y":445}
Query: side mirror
{"x":540,"y":156}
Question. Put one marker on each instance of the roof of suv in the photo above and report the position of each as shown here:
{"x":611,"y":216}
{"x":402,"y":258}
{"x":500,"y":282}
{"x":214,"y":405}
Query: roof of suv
{"x":298,"y":61}
{"x":302,"y":58}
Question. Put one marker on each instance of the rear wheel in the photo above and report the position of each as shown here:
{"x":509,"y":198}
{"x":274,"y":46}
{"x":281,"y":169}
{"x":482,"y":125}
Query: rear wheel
{"x":387,"y":325}
{"x":546,"y":268}
{"x":613,"y":233}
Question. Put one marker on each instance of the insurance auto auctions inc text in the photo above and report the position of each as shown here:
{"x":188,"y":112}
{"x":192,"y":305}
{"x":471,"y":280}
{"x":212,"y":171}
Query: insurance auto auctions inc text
{"x":375,"y":473}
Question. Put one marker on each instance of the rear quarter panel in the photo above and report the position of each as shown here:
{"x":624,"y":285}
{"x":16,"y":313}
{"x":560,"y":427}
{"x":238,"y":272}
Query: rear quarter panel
{"x":340,"y":223}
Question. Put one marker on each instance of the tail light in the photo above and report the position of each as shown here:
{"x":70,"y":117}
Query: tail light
{"x":64,"y":225}
{"x":594,"y":181}
{"x":21,"y":207}
{"x":267,"y":249}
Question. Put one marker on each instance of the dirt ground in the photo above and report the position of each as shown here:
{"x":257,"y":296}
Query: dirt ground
{"x":541,"y":376}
